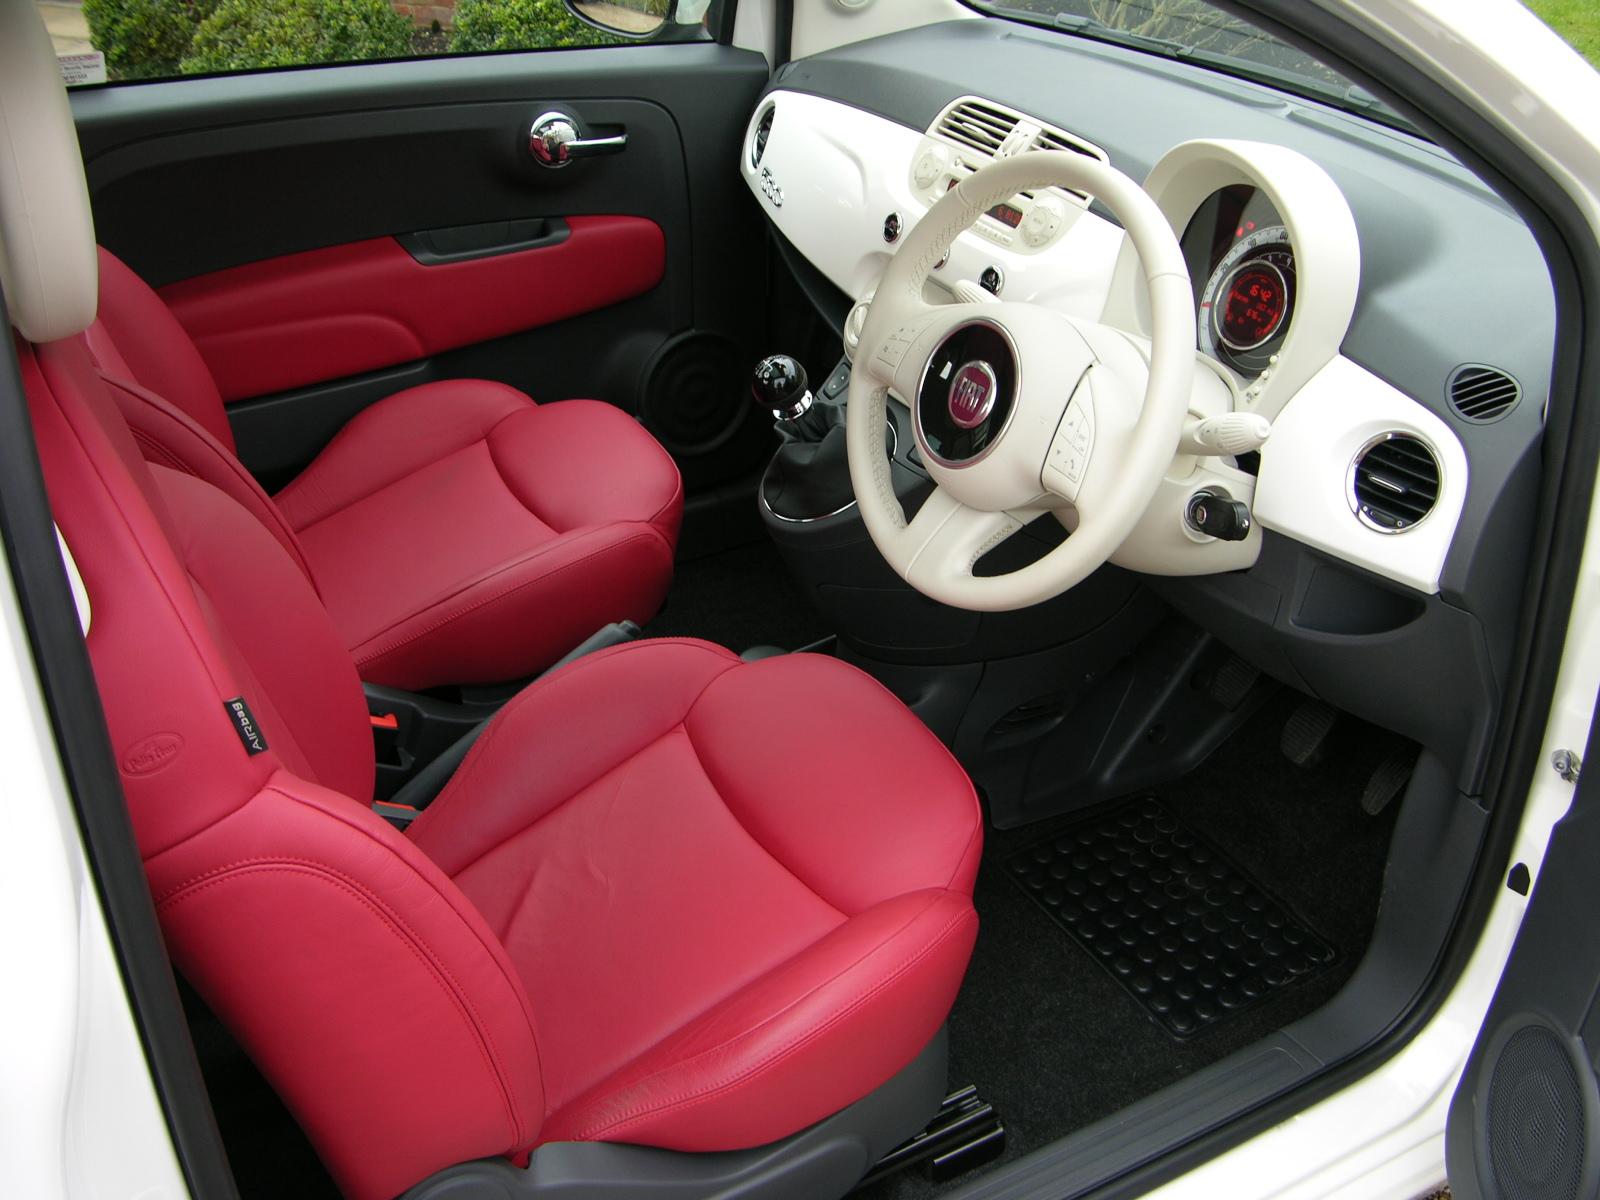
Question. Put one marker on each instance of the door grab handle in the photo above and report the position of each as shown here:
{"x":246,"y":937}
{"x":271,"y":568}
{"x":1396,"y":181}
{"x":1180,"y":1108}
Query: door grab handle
{"x":554,"y":142}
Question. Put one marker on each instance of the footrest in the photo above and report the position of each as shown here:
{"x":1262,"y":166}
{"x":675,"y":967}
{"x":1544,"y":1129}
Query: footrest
{"x":965,"y":1134}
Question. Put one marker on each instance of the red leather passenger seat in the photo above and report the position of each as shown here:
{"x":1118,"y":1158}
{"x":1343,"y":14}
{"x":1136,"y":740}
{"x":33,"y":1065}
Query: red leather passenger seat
{"x":457,"y":531}
{"x":669,"y":898}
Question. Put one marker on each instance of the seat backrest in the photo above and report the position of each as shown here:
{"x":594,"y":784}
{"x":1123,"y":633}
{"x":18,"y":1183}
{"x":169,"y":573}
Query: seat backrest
{"x":136,"y":338}
{"x":368,"y":989}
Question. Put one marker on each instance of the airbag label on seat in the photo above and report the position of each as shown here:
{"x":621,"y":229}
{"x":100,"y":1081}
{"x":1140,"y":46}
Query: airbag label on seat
{"x":244,"y":724}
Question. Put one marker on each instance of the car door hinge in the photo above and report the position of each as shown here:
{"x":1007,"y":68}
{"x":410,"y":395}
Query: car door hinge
{"x":1567,"y":765}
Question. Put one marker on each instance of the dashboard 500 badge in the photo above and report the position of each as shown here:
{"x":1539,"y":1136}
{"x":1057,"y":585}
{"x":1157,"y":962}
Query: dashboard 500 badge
{"x":770,"y":188}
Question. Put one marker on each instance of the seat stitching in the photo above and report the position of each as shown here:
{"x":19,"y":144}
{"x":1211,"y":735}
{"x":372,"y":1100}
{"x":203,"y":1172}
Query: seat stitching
{"x":594,"y":1132}
{"x":442,"y":455}
{"x":745,"y":829}
{"x":440,"y":973}
{"x":366,"y":657}
{"x":460,"y":782}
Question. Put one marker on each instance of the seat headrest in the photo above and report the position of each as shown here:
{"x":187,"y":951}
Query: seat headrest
{"x":48,"y":267}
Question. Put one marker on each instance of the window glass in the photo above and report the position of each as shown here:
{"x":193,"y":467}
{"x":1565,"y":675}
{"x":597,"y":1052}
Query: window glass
{"x":1194,"y":31}
{"x":110,"y":41}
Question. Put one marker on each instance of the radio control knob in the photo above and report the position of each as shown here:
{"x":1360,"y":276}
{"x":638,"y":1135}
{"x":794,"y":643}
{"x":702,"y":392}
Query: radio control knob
{"x":931,"y":164}
{"x":1042,"y":221}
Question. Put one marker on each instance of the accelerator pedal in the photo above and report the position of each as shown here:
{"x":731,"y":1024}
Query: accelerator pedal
{"x":966,"y":1133}
{"x":1306,"y":730}
{"x":1388,"y":781}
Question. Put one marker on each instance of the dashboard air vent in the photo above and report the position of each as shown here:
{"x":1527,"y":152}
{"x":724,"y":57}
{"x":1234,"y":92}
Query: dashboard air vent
{"x":1394,"y":482}
{"x":758,"y":144}
{"x":1054,"y":139}
{"x":1482,"y":394}
{"x":977,"y":126}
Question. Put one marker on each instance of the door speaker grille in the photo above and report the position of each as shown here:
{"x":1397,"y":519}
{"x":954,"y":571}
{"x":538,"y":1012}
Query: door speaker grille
{"x":1535,"y":1119}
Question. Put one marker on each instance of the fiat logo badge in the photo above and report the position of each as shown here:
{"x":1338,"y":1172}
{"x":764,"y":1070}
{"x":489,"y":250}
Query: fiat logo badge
{"x":972,"y":394}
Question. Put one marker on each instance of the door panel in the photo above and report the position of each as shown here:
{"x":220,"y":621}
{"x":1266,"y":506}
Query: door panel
{"x":265,"y":178}
{"x":322,"y":314}
{"x":1525,"y":1119}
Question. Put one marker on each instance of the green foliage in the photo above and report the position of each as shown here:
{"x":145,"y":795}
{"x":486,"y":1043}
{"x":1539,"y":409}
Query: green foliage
{"x":521,"y":25}
{"x":143,"y":39}
{"x":241,"y":35}
{"x":1576,"y":20}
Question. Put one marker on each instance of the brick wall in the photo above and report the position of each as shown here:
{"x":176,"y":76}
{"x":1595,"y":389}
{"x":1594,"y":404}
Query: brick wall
{"x":423,"y":15}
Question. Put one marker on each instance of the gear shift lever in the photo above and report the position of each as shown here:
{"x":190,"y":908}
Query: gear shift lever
{"x":780,"y":388}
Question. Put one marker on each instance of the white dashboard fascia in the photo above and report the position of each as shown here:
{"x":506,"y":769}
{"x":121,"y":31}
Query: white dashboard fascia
{"x":1303,"y":490}
{"x":831,"y":173}
{"x":840,"y":171}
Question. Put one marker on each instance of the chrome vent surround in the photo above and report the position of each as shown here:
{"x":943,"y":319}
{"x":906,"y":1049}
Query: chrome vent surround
{"x":982,"y":130}
{"x":1482,"y":393}
{"x":758,"y":144}
{"x":1394,"y":482}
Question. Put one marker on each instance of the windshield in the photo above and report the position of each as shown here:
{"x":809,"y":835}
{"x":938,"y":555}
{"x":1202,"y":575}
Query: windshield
{"x":1195,"y":31}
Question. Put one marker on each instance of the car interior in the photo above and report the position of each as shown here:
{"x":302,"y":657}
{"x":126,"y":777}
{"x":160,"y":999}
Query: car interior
{"x":930,"y":621}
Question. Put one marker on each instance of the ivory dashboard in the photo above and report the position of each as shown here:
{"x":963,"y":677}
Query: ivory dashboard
{"x":1397,"y":409}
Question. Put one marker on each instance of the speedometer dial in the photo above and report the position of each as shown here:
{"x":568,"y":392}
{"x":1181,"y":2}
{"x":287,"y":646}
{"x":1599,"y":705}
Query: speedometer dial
{"x":1248,"y":301}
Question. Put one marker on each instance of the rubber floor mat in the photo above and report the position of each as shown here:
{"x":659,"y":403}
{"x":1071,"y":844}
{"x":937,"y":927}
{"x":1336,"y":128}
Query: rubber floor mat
{"x":1185,"y":930}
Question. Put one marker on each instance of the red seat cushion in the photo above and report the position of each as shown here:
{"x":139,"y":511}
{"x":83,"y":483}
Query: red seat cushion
{"x":459,"y":532}
{"x":738,"y":894}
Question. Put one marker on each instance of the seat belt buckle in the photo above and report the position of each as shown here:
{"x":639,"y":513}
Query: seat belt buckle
{"x":398,"y":815}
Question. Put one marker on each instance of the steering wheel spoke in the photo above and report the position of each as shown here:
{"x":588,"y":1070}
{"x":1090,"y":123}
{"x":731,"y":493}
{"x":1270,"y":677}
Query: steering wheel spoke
{"x":947,"y":537}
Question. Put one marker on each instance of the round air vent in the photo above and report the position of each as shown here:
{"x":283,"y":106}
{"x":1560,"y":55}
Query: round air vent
{"x":758,"y":144}
{"x":1482,"y":394}
{"x":1394,"y":482}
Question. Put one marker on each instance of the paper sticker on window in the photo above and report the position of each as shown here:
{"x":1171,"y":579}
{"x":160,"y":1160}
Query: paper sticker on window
{"x":78,"y":69}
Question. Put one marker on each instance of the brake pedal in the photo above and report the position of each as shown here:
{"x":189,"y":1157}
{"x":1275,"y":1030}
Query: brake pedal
{"x":966,"y":1133}
{"x":1232,"y":681}
{"x":1306,"y":730}
{"x":1388,"y":781}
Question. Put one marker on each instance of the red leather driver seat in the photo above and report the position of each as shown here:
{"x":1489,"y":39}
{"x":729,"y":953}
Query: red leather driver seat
{"x":645,"y":910}
{"x":457,"y":532}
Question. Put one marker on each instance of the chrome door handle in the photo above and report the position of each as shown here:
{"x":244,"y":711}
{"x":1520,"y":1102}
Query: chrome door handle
{"x":554,"y":142}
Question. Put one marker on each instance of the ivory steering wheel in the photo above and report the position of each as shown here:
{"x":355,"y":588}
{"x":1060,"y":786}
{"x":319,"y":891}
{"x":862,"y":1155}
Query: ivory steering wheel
{"x":1019,"y":409}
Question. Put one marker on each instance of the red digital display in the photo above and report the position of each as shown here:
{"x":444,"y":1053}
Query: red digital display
{"x":1006,"y":215}
{"x":1254,"y":306}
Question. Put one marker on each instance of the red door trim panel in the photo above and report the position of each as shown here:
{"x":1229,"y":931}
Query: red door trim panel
{"x":324,"y":314}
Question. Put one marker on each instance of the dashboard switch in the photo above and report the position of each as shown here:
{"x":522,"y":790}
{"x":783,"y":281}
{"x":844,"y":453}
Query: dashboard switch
{"x":992,"y":280}
{"x":1218,"y":516}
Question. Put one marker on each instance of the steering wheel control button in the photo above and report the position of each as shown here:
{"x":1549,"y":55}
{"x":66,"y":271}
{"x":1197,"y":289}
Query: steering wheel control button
{"x":972,"y":394}
{"x":992,"y":280}
{"x":895,"y":346}
{"x":967,"y":394}
{"x":1216,"y":515}
{"x":1068,"y":458}
{"x":892,"y":228}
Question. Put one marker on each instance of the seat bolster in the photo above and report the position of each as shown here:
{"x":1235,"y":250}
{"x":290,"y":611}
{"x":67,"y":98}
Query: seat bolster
{"x":858,"y":770}
{"x":393,"y":438}
{"x":559,"y":735}
{"x":364,"y":985}
{"x":137,"y":336}
{"x":170,"y":438}
{"x":531,"y":610}
{"x":576,"y":463}
{"x":800,"y":1043}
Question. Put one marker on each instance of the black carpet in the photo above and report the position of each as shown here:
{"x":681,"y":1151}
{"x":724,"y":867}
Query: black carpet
{"x":1055,"y":1043}
{"x":739,"y":598}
